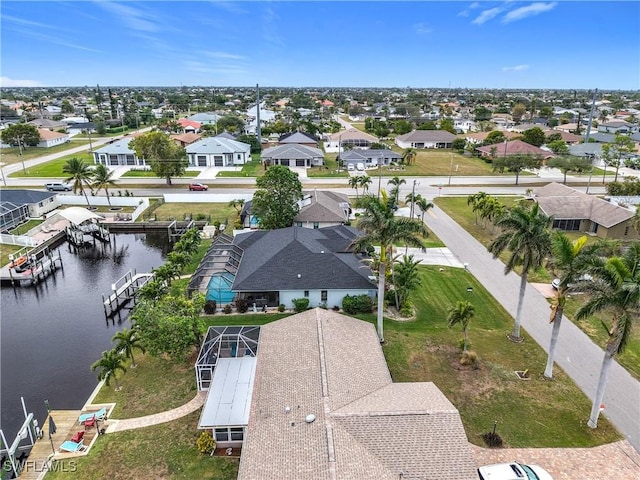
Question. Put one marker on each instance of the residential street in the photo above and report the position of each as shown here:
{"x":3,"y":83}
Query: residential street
{"x":576,"y":353}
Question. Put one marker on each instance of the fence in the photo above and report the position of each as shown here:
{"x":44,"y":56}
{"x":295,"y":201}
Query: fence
{"x":21,"y":240}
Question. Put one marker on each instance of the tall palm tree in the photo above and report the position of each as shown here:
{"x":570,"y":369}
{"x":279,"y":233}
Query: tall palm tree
{"x":424,"y":205}
{"x":80,"y":173}
{"x":237,"y":204}
{"x":412,"y":198}
{"x":365,"y":181}
{"x":570,"y":258}
{"x":381,"y":227}
{"x":477,"y":201}
{"x":103,"y":179}
{"x":461,"y":313}
{"x":406,"y":278}
{"x":525,"y":233}
{"x":108,"y":366}
{"x":395,"y":190}
{"x":354,"y":182}
{"x":126,"y":342}
{"x":616,"y":291}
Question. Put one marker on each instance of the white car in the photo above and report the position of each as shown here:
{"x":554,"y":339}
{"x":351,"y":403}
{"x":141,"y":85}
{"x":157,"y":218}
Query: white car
{"x":513,"y":471}
{"x":351,"y":167}
{"x":360,"y":167}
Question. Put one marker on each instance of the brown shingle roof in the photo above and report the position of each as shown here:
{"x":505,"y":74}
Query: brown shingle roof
{"x":325,"y":206}
{"x":366,"y":427}
{"x":514,"y":147}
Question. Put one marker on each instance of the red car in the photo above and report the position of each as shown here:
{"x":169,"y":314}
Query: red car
{"x":198,"y":187}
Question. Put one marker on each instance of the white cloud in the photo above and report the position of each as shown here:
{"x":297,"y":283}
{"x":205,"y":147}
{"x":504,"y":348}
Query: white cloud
{"x":466,"y":12}
{"x":133,"y":18}
{"x":487,"y":15}
{"x":516,"y":68}
{"x":10,"y":82}
{"x":421,"y":28}
{"x":528,"y":11}
{"x":231,"y":56}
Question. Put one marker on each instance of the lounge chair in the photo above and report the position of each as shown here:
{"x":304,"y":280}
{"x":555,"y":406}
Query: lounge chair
{"x":100,"y":415}
{"x":77,"y":437}
{"x":69,"y":446}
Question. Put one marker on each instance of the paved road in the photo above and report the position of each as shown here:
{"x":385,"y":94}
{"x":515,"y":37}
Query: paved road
{"x":576,"y":354}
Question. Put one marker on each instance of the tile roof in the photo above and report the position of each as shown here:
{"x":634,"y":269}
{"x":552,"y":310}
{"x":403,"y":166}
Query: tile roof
{"x":186,"y":138}
{"x":365,"y":427}
{"x":427,"y":136}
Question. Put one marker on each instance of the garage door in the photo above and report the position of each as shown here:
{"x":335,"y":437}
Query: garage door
{"x":217,"y":161}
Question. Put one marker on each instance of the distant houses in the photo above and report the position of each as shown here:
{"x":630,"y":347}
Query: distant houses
{"x":425,"y":139}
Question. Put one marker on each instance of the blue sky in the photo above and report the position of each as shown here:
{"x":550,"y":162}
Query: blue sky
{"x":549,"y":44}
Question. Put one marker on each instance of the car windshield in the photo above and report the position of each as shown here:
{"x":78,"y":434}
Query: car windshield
{"x":531,"y":475}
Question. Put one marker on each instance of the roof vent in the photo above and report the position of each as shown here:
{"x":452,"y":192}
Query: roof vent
{"x":310,"y":418}
{"x":321,"y":251}
{"x":299,"y":275}
{"x":287,"y":409}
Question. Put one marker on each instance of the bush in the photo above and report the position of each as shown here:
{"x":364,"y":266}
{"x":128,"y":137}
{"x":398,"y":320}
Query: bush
{"x":281,"y":307}
{"x":210,"y":307}
{"x":336,"y":308}
{"x":205,"y":443}
{"x":357,"y":304}
{"x":300,"y":304}
{"x":469,"y":358}
{"x":241,"y":305}
{"x":227,"y":309}
{"x":390,"y":298}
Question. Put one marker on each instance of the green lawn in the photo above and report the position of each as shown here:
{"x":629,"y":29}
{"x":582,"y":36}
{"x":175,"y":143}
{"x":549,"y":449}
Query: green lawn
{"x":52,"y":168}
{"x":152,"y":174}
{"x":221,"y":212}
{"x":254,"y":168}
{"x":12,"y":155}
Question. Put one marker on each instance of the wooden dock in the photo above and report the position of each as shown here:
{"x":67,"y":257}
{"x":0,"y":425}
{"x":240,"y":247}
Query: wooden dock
{"x":124,"y":290}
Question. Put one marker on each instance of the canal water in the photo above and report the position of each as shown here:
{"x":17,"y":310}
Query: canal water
{"x":52,"y":333}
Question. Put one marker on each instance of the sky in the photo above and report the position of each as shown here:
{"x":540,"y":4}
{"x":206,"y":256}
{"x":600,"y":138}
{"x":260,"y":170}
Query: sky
{"x":421,"y":44}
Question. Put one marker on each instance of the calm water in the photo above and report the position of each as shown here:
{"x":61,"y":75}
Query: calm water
{"x":51,"y":334}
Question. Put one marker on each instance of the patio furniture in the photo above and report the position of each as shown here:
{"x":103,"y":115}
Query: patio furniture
{"x":100,"y":415}
{"x":77,"y":437}
{"x":69,"y":446}
{"x":90,"y":422}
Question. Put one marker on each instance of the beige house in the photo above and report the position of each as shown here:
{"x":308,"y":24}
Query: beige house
{"x":575,"y":211}
{"x":324,"y":406}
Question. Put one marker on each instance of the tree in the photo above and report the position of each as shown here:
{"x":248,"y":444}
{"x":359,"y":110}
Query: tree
{"x":166,"y":158}
{"x":80,"y":174}
{"x":567,"y":164}
{"x":406,"y":278}
{"x":251,"y":140}
{"x":126,"y":342}
{"x":401,"y":127}
{"x":477,"y":201}
{"x":409,"y":156}
{"x":616,"y":292}
{"x":395,"y":190}
{"x":20,"y":134}
{"x":558,"y":147}
{"x":237,"y":204}
{"x":533,"y":136}
{"x":66,"y":107}
{"x":494,"y":137}
{"x":481,"y":113}
{"x":612,"y":153}
{"x":424,"y":205}
{"x":103,"y":179}
{"x":570,"y":259}
{"x":447,"y":125}
{"x":516,"y":164}
{"x":459,"y":144}
{"x":354,"y":182}
{"x":518,"y":112}
{"x":461,"y":313}
{"x":108,"y":367}
{"x":275,"y":202}
{"x":525,"y":234}
{"x":381,"y":227}
{"x":364,"y":181}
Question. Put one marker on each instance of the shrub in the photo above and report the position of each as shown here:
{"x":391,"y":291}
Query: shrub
{"x":200,"y":216}
{"x":205,"y":443}
{"x":390,"y":298}
{"x":336,"y":308}
{"x":281,"y":307}
{"x":241,"y":305}
{"x":406,"y":310}
{"x":300,"y":304}
{"x":227,"y":309}
{"x":469,"y":358}
{"x":210,"y":307}
{"x":357,"y":304}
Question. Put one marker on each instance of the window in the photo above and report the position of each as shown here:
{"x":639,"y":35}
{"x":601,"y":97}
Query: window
{"x":222,"y":435}
{"x":306,"y":293}
{"x":626,"y":231}
{"x":237,"y":433}
{"x":315,"y":225}
{"x":323,"y":295}
{"x":298,"y":224}
{"x":568,"y":225}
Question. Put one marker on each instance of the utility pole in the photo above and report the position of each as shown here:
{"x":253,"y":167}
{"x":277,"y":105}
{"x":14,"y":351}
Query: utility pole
{"x":258,"y":129}
{"x":450,"y":168}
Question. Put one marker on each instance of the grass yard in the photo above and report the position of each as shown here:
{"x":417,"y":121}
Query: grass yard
{"x":330,"y":169}
{"x":151,"y":174}
{"x":166,"y":451}
{"x":221,"y":212}
{"x":12,"y":155}
{"x":253,"y":168}
{"x":53,"y":168}
{"x":6,"y":250}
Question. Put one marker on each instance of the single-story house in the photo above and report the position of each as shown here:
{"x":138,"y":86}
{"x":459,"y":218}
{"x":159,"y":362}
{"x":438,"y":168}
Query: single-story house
{"x":17,"y":206}
{"x":369,"y":158}
{"x":514,"y":147}
{"x":218,"y":152}
{"x":479,"y":137}
{"x":602,"y":137}
{"x":293,"y":155}
{"x":425,"y":139}
{"x":205,"y":118}
{"x":351,"y":138}
{"x":189,"y":126}
{"x":300,"y":138}
{"x":324,"y":405}
{"x":48,"y":124}
{"x":616,"y":127}
{"x":184,"y":139}
{"x":118,"y":153}
{"x":84,"y":127}
{"x":50,"y":139}
{"x":575,"y":211}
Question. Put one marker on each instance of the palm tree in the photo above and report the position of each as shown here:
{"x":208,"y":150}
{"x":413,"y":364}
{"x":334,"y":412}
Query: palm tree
{"x":525,"y":233}
{"x":395,"y":191}
{"x":354,"y":182}
{"x":127,"y":341}
{"x":616,"y":291}
{"x":80,"y":173}
{"x":380,"y":226}
{"x":365,"y":181}
{"x":635,"y":220}
{"x":424,"y":205}
{"x":412,"y":198}
{"x":103,"y":179}
{"x":406,"y":278}
{"x":409,"y":156}
{"x":237,"y":204}
{"x":108,"y":366}
{"x":461,"y":313}
{"x":570,"y":258}
{"x":477,"y":201}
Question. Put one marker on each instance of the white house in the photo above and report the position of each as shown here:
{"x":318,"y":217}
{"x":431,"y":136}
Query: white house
{"x":425,"y":139}
{"x":118,"y":153}
{"x":218,"y":152}
{"x":50,"y":139}
{"x":351,"y":138}
{"x":293,"y":155}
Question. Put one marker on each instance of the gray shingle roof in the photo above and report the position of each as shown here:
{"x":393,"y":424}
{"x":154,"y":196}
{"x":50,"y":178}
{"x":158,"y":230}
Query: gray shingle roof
{"x":325,"y":206}
{"x":297,"y":137}
{"x":427,"y":136}
{"x":217,"y":145}
{"x":354,"y":155}
{"x":24,"y":197}
{"x":366,"y":427}
{"x":292,"y":151}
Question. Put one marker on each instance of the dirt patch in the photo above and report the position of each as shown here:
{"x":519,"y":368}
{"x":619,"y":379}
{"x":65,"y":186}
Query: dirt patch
{"x":394,"y":314}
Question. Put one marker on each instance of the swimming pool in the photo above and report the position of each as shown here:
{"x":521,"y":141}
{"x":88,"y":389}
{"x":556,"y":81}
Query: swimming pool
{"x":219,"y":288}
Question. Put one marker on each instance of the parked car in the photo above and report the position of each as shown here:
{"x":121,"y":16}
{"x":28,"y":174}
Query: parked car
{"x":57,"y":187}
{"x":513,"y":471}
{"x":351,"y":167}
{"x":581,"y":281}
{"x":198,"y":187}
{"x":360,"y":167}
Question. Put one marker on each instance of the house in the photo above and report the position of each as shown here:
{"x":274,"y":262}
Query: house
{"x":425,"y":139}
{"x":464,"y":125}
{"x":293,"y":155}
{"x":299,"y":138}
{"x":189,"y":126}
{"x":184,"y":139}
{"x":84,"y":127}
{"x":602,"y":137}
{"x":350,"y":138}
{"x":324,"y":405}
{"x":118,"y":153}
{"x":369,"y":158}
{"x":48,"y":124}
{"x":616,"y":127}
{"x":513,"y":147}
{"x":205,"y":118}
{"x":479,"y":137}
{"x":575,"y":211}
{"x":50,"y":139}
{"x":17,"y":206}
{"x":218,"y":152}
